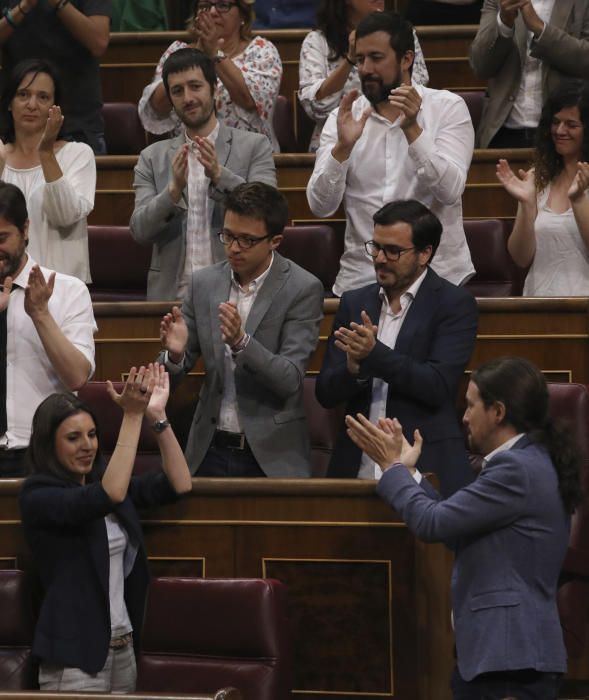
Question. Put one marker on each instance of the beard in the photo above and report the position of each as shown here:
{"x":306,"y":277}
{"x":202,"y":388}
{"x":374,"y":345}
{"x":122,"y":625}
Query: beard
{"x":376,"y":91}
{"x":9,"y":263}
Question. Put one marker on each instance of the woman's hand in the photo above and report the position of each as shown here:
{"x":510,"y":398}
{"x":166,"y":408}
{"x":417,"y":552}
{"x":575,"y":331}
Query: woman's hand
{"x":136,"y":393}
{"x":52,"y":128}
{"x":352,"y":47}
{"x":384,"y":442}
{"x":209,"y":34}
{"x":581,"y":182}
{"x":156,"y":408}
{"x":522,"y":188}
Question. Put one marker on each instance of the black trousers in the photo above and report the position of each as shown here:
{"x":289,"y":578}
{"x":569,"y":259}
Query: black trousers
{"x":526,"y":684}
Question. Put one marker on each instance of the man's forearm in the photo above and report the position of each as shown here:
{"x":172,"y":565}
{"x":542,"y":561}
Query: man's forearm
{"x":92,"y":32}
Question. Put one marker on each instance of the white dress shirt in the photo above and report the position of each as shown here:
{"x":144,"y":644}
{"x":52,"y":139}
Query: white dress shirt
{"x":383,"y":167}
{"x":527,"y":106}
{"x":30,"y":376}
{"x":243,"y":298}
{"x":199,"y":252}
{"x":389,"y":326}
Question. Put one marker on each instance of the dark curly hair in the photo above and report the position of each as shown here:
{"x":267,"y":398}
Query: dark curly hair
{"x":332,"y":20}
{"x":547,"y":162}
{"x":521,"y":388}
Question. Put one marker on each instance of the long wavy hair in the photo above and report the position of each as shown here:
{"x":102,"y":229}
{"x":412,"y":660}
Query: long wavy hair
{"x":332,"y":20}
{"x":522,"y":389}
{"x":547,"y":162}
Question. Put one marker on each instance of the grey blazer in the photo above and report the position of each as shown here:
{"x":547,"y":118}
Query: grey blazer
{"x":510,"y":533}
{"x":156,"y":220}
{"x":284,"y":328}
{"x":563,"y":47}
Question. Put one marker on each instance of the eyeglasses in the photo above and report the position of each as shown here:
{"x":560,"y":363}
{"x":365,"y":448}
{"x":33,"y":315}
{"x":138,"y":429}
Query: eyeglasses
{"x":220,"y":5}
{"x":243,"y":242}
{"x":391,"y":252}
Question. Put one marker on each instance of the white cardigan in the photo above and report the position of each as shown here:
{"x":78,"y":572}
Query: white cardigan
{"x":58,"y":230}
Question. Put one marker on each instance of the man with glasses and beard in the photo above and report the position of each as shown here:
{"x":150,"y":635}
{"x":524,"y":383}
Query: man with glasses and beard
{"x":254,"y":319}
{"x":396,"y":141}
{"x":399,"y":348}
{"x":180,"y":183}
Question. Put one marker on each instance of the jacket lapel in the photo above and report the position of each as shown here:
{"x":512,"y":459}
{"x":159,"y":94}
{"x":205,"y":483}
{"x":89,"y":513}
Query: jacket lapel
{"x":419,"y":313}
{"x":173,"y":147}
{"x":561,"y":12}
{"x":223,"y":144}
{"x":270,"y":290}
{"x":219,"y":294}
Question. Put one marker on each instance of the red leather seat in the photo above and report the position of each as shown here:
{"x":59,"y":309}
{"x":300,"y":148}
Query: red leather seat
{"x":570,"y":402}
{"x":201,"y":634}
{"x":17,"y":671}
{"x":324,"y":425}
{"x":118,"y":265}
{"x":316,"y":248}
{"x":109,"y":416}
{"x":496,"y":275}
{"x":475,"y":101}
{"x":123,"y":131}
{"x":283,"y":124}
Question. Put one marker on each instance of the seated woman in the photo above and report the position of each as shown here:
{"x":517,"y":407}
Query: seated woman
{"x":551,"y":230}
{"x":327,"y":67}
{"x":58,"y":178}
{"x":82,"y":526}
{"x":249,"y":71}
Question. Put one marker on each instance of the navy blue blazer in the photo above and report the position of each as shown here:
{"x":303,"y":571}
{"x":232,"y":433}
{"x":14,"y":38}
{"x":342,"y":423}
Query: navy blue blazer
{"x":64,"y":526}
{"x":423,"y":372}
{"x":510,"y":531}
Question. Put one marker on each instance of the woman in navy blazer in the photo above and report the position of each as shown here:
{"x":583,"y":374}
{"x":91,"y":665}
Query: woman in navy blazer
{"x":509,"y":530}
{"x":82,"y":526}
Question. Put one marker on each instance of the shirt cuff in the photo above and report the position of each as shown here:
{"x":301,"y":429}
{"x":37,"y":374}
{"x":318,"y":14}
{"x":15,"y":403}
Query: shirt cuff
{"x":504,"y":31}
{"x":173,"y":367}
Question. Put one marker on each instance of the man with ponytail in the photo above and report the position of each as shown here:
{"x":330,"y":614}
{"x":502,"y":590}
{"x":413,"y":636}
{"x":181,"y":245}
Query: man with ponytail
{"x":509,"y":529}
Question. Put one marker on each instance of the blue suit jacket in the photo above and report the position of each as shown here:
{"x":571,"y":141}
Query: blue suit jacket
{"x":64,"y":526}
{"x":423,"y":373}
{"x":510,"y":532}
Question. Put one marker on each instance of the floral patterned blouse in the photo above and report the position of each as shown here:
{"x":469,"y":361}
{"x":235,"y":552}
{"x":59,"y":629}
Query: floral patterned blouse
{"x":261,"y":67}
{"x":314,"y":67}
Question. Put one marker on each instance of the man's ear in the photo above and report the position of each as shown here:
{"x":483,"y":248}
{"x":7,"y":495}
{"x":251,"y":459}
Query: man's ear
{"x":500,"y":412}
{"x":407,"y":60}
{"x":275,"y":241}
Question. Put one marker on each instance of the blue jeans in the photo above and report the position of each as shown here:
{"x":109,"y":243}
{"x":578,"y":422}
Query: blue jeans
{"x":526,"y":684}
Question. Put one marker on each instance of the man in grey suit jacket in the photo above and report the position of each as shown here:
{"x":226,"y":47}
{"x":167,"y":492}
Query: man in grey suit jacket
{"x":526,"y":50}
{"x":509,"y":530}
{"x":180,"y":183}
{"x":254,"y":319}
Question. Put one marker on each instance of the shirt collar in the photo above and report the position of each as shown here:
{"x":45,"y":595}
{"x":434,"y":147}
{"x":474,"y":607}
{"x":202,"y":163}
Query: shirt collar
{"x":408,"y":295}
{"x":255,"y":283}
{"x":212,"y":137}
{"x":22,"y":279}
{"x":507,"y":445}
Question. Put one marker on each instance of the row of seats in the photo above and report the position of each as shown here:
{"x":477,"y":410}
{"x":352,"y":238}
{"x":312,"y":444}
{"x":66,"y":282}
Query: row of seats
{"x":569,"y":402}
{"x":119,"y":265}
{"x":240,"y":643}
{"x":124,"y":133}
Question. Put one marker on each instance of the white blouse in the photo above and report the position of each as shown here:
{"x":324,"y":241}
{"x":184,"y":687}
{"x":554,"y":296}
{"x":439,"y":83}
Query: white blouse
{"x":261,"y":68}
{"x":58,"y":229}
{"x":561,"y":263}
{"x":314,"y":67}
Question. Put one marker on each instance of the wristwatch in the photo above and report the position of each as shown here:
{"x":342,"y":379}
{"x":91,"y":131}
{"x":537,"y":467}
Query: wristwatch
{"x":160,"y":425}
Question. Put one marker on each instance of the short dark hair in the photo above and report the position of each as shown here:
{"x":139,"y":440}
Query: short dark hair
{"x":547,"y":162}
{"x":260,"y":201}
{"x":13,"y":206}
{"x":400,"y":31}
{"x":187,"y":58}
{"x":426,"y":228}
{"x":40,"y":457}
{"x":521,"y":388}
{"x":17,"y":75}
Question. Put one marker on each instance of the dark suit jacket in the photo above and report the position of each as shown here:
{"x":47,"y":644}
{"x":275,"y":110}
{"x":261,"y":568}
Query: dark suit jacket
{"x":64,"y":526}
{"x":284,"y":327}
{"x":510,"y":533}
{"x":423,"y":372}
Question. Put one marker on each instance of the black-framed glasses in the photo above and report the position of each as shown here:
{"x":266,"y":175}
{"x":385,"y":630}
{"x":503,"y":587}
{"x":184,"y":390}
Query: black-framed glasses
{"x":221,"y":6}
{"x":243,"y":242}
{"x":391,"y":252}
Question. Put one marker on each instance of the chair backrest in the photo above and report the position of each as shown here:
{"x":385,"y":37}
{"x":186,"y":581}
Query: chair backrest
{"x":324,"y":425}
{"x":496,"y":275}
{"x":123,"y":131}
{"x":17,"y":671}
{"x":118,"y":265}
{"x":570,"y":402}
{"x":283,"y":124}
{"x":475,"y":101}
{"x":200,"y":634}
{"x":109,"y":417}
{"x":316,"y":248}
